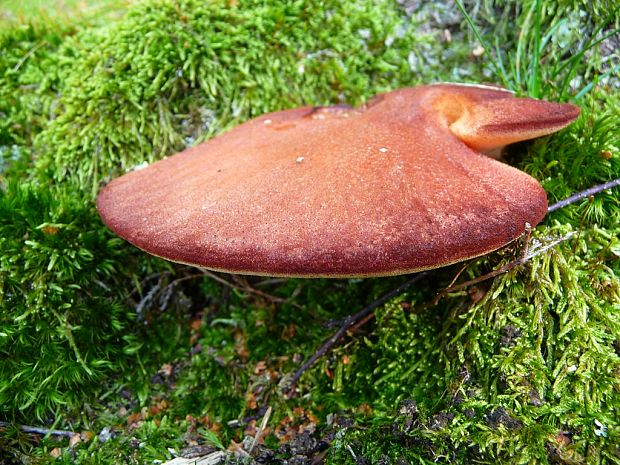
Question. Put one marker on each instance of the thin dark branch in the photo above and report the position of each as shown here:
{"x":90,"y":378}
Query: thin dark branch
{"x":583,"y":194}
{"x":528,"y":255}
{"x":245,"y":287}
{"x":40,"y":431}
{"x":158,"y":275}
{"x":271,"y":281}
{"x":348,"y":323}
{"x":244,"y":421}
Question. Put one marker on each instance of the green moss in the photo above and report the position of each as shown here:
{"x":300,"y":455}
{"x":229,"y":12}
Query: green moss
{"x":28,"y":75}
{"x":72,"y":312}
{"x":32,"y":70}
{"x":63,"y":322}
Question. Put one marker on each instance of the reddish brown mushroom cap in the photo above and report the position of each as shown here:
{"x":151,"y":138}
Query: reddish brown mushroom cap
{"x":394,"y":187}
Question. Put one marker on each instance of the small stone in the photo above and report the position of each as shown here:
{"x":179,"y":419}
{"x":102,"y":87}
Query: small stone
{"x":365,"y":33}
{"x":87,"y":436}
{"x":74,"y":440}
{"x":409,"y":408}
{"x":535,"y":399}
{"x":105,"y":435}
{"x":441,"y":420}
{"x":140,"y":166}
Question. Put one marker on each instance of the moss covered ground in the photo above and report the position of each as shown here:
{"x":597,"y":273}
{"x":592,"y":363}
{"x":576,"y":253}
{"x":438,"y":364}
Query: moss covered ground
{"x":138,"y":360}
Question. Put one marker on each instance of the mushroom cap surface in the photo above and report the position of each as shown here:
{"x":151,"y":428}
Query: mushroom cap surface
{"x":397,"y":186}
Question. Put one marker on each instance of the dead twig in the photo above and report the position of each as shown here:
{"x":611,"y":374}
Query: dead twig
{"x":528,"y":255}
{"x":271,"y":282}
{"x":247,"y":288}
{"x":583,"y":194}
{"x":39,"y":431}
{"x":241,"y":284}
{"x":31,"y":52}
{"x":213,"y":458}
{"x":262,"y":427}
{"x":143,"y":282}
{"x":348,"y":322}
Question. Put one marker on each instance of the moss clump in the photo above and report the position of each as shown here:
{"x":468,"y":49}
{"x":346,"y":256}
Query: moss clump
{"x":28,"y":78}
{"x":63,"y":318}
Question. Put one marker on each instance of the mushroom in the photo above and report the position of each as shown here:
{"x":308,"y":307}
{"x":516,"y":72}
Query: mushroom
{"x":399,"y":185}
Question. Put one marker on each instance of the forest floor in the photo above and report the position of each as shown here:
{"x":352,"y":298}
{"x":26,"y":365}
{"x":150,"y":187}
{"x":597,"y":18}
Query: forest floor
{"x":108,"y":355}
